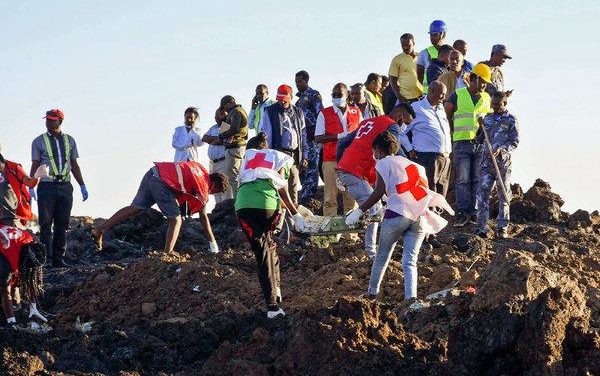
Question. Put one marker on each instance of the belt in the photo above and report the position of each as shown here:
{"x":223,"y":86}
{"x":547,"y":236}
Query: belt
{"x":234,"y":146}
{"x":217,"y":160}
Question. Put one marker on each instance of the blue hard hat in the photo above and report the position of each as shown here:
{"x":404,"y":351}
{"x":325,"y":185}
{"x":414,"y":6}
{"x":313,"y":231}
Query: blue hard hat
{"x":437,"y":26}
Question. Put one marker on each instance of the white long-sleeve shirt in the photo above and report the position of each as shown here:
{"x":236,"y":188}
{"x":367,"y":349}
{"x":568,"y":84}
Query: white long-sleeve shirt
{"x":186,"y":143}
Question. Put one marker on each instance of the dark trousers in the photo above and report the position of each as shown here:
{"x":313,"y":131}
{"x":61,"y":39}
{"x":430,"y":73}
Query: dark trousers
{"x":437,"y":168}
{"x":258,"y":225}
{"x":55,"y":201}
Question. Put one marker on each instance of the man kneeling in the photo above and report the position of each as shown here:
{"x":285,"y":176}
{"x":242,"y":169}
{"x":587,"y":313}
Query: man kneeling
{"x":170,"y":184}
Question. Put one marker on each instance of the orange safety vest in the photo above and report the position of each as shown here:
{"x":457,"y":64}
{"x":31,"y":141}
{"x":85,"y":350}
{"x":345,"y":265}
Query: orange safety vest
{"x":189,"y":180}
{"x":333,"y":126}
{"x":358,"y":157}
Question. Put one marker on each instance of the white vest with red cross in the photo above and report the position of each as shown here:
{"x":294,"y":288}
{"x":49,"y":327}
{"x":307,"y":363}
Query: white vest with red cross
{"x":12,"y":241}
{"x":409,"y":194}
{"x":264,"y":164}
{"x":333,"y":126}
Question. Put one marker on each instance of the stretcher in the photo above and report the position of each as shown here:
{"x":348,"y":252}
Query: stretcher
{"x":321,"y":231}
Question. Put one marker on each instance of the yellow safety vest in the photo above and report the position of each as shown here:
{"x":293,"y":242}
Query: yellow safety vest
{"x":466,"y":114}
{"x":54,"y":171}
{"x":433,"y":54}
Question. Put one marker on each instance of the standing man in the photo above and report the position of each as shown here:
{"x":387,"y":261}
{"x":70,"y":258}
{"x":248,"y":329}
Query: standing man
{"x":385,"y":82}
{"x":186,"y":138}
{"x":503,"y":130}
{"x":438,"y":66}
{"x":461,"y":46}
{"x":463,"y":108}
{"x":333,"y":124}
{"x":403,"y":72}
{"x":456,"y":77}
{"x":216,"y":153}
{"x":356,"y":165}
{"x":283,"y":123}
{"x":233,"y":133}
{"x":373,"y":85}
{"x":310,"y":102}
{"x":359,"y":99}
{"x":497,"y":59}
{"x":437,"y":36}
{"x":259,"y":102}
{"x":55,"y":192}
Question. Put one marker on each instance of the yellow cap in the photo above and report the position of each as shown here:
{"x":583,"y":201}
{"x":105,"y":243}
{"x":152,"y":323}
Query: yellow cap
{"x":483,"y":71}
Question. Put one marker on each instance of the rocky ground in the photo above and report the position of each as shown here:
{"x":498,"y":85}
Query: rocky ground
{"x":526,"y":305}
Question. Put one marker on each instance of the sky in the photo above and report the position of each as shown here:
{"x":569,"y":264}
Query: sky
{"x":124,"y":71}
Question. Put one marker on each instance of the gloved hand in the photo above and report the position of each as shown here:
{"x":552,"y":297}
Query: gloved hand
{"x":299,"y":224}
{"x":41,"y":172}
{"x":342,"y":135}
{"x":32,"y":194}
{"x":214,"y":247}
{"x":354,"y":216}
{"x":84,"y":192}
{"x":33,"y":312}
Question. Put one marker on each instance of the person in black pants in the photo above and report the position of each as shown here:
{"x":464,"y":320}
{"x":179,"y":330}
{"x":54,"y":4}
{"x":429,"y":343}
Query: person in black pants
{"x":55,"y":192}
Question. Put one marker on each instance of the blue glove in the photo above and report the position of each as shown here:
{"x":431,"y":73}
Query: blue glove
{"x":32,"y":194}
{"x":84,"y":192}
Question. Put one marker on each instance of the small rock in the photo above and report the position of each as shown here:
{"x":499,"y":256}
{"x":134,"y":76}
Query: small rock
{"x":148,"y":308}
{"x":469,"y":278}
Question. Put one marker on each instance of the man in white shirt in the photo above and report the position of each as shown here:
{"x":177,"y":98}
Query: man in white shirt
{"x":334,"y":123}
{"x":186,"y":138}
{"x":216,"y":153}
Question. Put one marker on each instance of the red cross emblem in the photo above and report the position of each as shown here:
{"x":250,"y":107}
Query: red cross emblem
{"x":414,"y":185}
{"x":258,"y":161}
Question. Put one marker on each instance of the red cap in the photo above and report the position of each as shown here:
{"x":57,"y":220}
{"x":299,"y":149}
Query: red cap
{"x":284,"y":93}
{"x":54,"y":114}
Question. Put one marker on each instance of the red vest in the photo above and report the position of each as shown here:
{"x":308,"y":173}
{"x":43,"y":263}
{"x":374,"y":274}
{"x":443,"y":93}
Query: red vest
{"x":189,"y":180}
{"x":18,"y":238}
{"x":333,"y":126}
{"x":358,"y":157}
{"x":14,"y":174}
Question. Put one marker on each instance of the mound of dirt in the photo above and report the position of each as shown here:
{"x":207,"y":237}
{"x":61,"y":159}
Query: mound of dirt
{"x":524,"y":305}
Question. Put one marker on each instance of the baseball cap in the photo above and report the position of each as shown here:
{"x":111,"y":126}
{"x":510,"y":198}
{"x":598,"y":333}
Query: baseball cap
{"x":284,"y":93}
{"x":501,"y":48}
{"x":54,"y":114}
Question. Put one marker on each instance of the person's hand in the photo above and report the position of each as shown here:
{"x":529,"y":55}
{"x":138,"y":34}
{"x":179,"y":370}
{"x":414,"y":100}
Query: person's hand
{"x":354,"y":216}
{"x":32,"y":194}
{"x":214,"y":247}
{"x":33,"y":312}
{"x":299,"y":223}
{"x":339,"y":185}
{"x":342,"y":135}
{"x":254,"y":103}
{"x":508,"y":93}
{"x":84,"y":192}
{"x":304,"y":163}
{"x":41,"y":172}
{"x":412,"y":155}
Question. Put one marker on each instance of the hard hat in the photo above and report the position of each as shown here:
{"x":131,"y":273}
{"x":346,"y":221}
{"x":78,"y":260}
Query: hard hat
{"x":437,"y":26}
{"x":483,"y":71}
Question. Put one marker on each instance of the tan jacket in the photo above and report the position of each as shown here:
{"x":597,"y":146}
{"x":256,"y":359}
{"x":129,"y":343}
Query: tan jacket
{"x":449,"y":79}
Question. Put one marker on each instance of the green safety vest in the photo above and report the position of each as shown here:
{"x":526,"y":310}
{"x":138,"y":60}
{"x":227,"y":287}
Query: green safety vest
{"x":467,"y":113}
{"x":54,"y":169}
{"x":433,"y":54}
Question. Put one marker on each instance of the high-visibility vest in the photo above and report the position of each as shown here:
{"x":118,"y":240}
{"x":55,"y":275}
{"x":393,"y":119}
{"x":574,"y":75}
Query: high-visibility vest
{"x":53,"y":167}
{"x":333,"y":126}
{"x":358,"y":157}
{"x":433,"y":54}
{"x":189,"y":180}
{"x":466,"y":114}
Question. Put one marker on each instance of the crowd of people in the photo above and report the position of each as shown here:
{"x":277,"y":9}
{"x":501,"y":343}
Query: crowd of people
{"x":387,"y":145}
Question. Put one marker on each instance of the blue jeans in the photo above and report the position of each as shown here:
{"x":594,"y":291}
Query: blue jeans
{"x":467,"y":160}
{"x":360,"y":190}
{"x":391,"y":231}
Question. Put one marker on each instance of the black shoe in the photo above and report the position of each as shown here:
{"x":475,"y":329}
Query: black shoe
{"x":473,"y":218}
{"x":60,"y":264}
{"x":481,"y":233}
{"x":460,"y":220}
{"x":434,"y":242}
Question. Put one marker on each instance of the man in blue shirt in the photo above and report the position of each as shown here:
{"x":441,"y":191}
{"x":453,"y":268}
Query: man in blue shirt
{"x":461,"y":46}
{"x":310,"y":102}
{"x":259,"y":102}
{"x":283,"y":123}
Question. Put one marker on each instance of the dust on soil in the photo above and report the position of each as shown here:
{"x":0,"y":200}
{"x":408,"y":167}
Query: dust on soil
{"x":525,"y":305}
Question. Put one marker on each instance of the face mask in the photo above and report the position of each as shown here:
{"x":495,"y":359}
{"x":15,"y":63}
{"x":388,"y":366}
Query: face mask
{"x":339,"y":102}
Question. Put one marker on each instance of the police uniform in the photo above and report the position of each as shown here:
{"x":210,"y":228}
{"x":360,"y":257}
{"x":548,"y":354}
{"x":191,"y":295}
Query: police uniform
{"x":503,"y":132}
{"x":310,"y":102}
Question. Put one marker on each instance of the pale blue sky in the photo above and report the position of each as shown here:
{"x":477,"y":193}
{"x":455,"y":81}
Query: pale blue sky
{"x":124,"y":71}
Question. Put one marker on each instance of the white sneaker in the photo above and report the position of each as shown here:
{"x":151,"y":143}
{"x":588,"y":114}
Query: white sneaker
{"x":273,"y":314}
